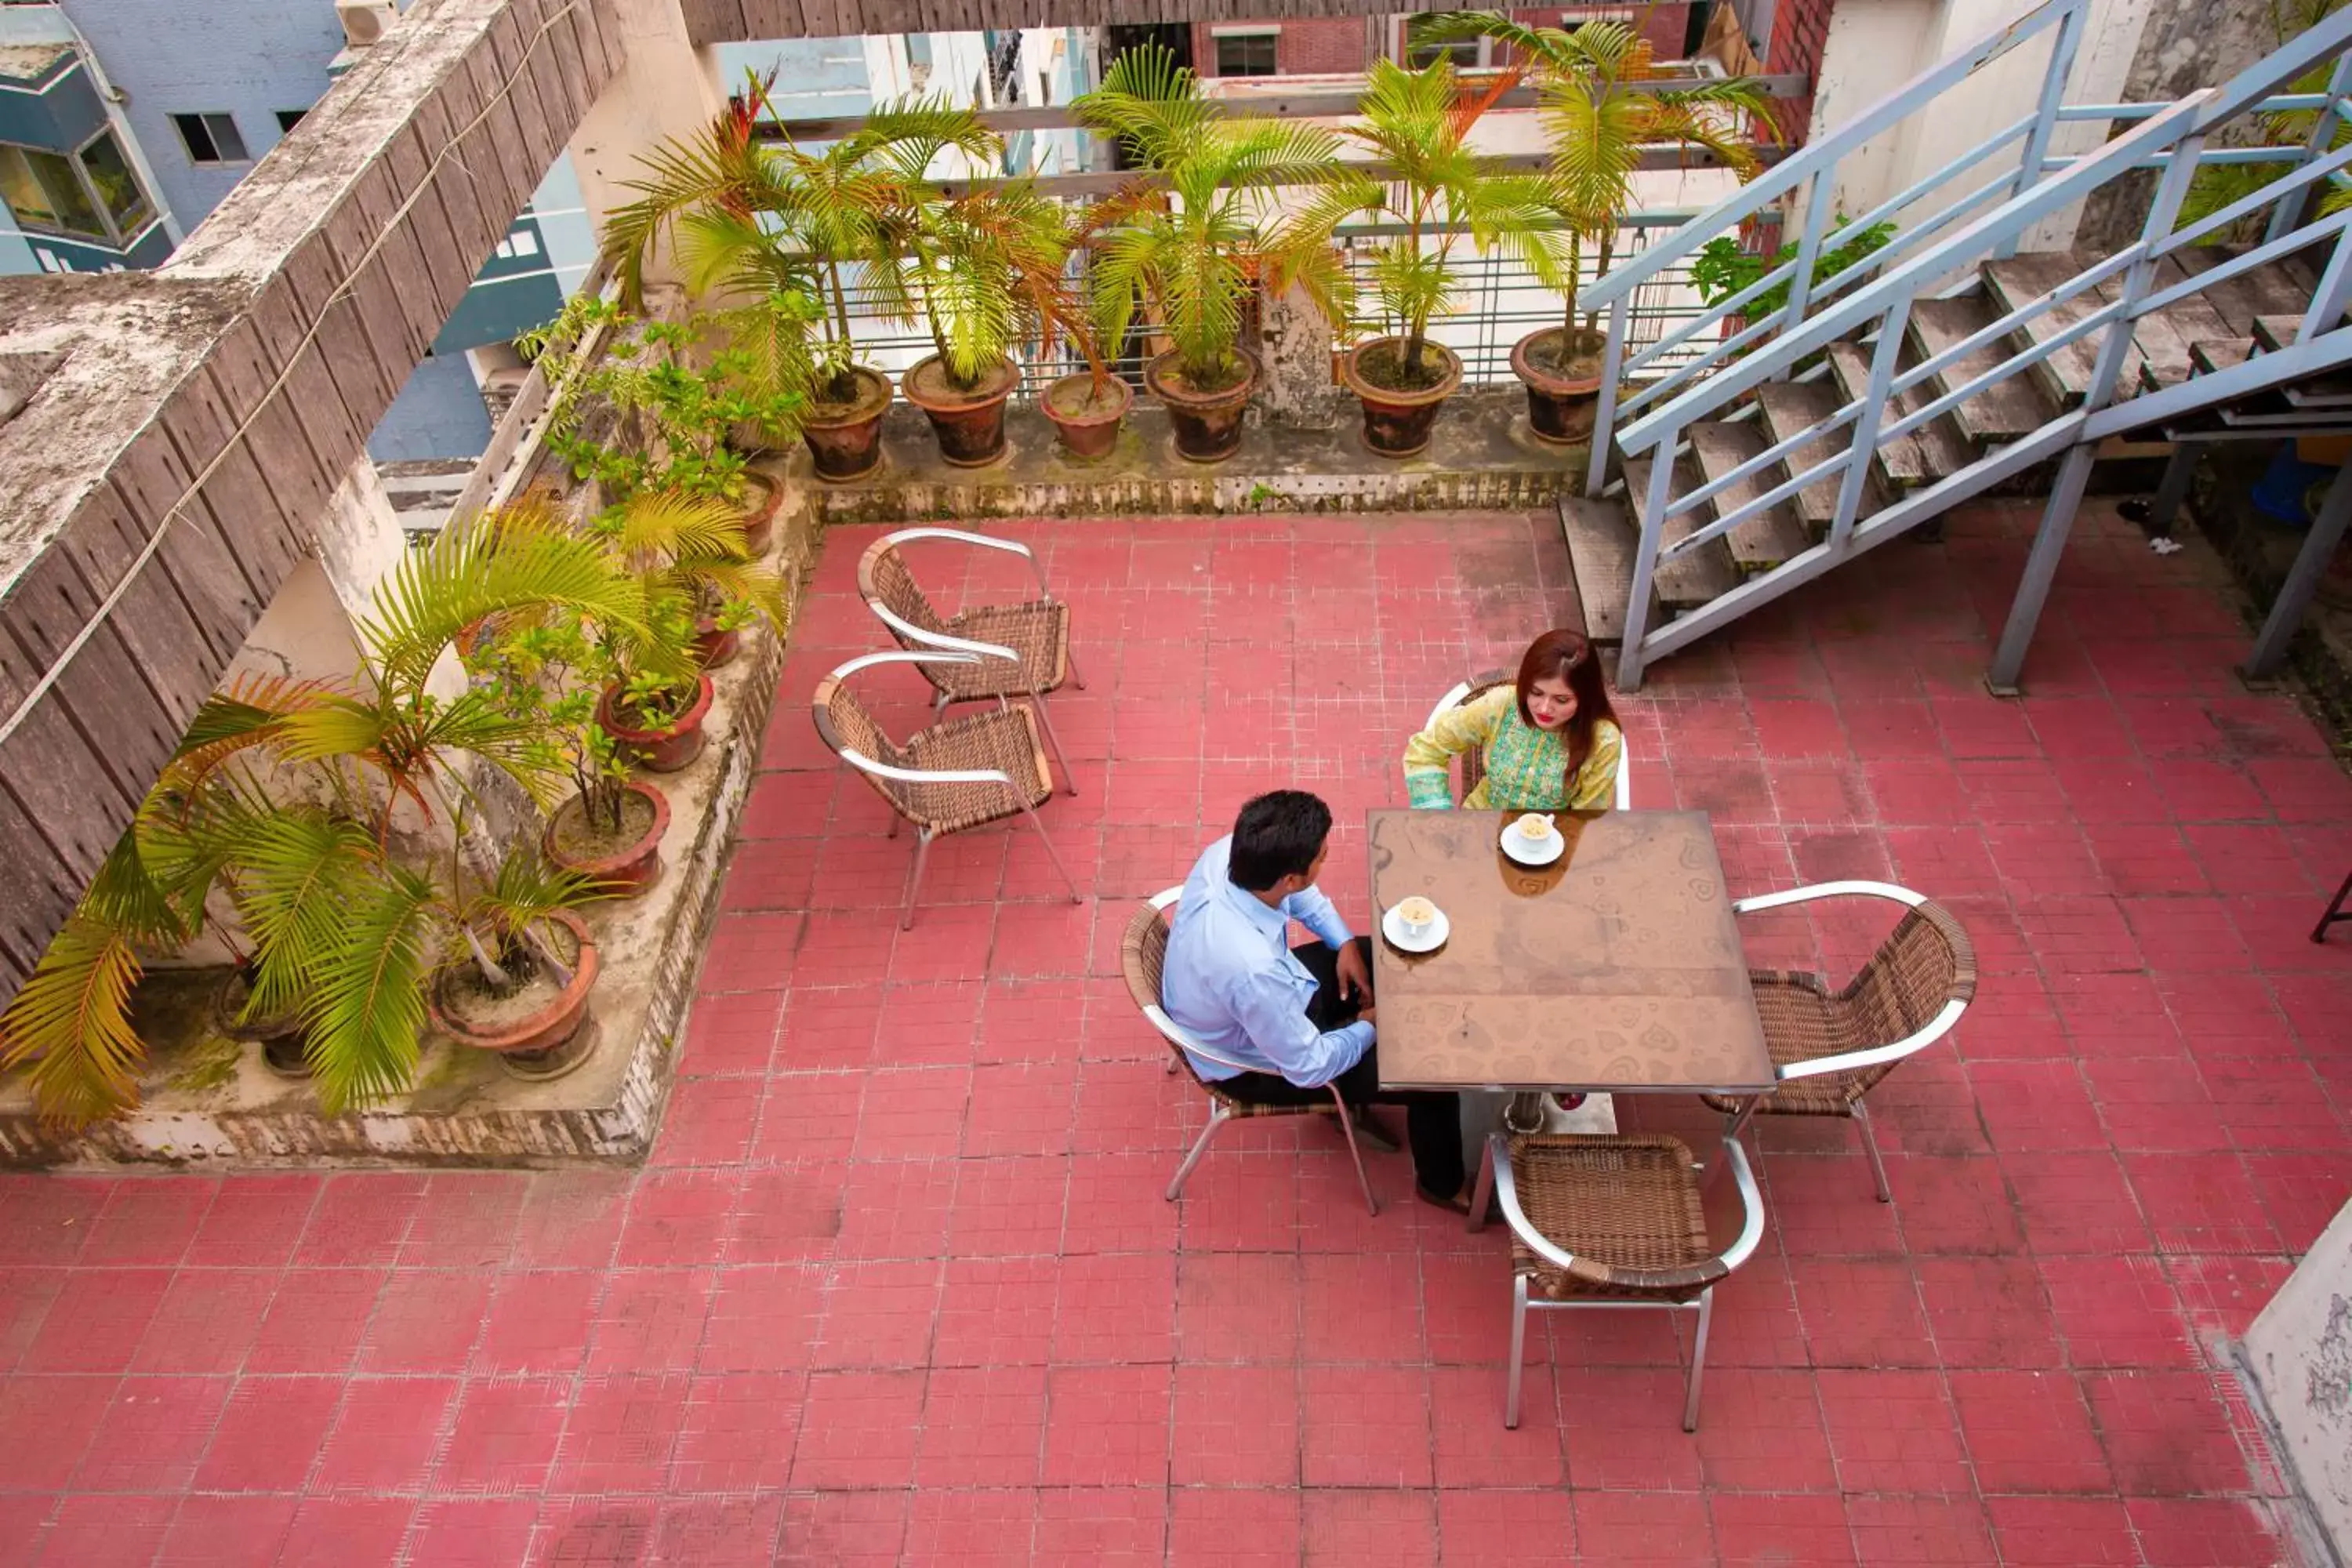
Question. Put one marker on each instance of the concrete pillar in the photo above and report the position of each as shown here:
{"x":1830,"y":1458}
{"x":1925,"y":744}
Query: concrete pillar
{"x":667,"y":87}
{"x":1294,"y":341}
{"x":2299,"y":1353}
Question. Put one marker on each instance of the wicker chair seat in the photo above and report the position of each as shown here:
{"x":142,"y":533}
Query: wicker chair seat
{"x":1628,"y":1206}
{"x":1038,"y":631}
{"x":1005,"y":740}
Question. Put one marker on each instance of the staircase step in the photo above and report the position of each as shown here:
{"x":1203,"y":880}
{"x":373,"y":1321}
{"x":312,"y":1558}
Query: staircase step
{"x":1790,"y":406}
{"x":1704,"y":574}
{"x":2279,"y":289}
{"x":2066,"y":373}
{"x":1772,"y":536}
{"x":1920,"y":457}
{"x":1601,"y":547}
{"x":2225,"y":353}
{"x":2001,"y":411}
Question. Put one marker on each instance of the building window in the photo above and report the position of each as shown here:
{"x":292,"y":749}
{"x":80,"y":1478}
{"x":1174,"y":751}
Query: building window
{"x":90,"y":194}
{"x":1245,"y":54}
{"x":287,"y":119}
{"x":1465,"y":53}
{"x":210,"y":138}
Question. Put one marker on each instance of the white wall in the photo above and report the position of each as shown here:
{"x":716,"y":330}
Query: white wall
{"x":2300,"y":1353}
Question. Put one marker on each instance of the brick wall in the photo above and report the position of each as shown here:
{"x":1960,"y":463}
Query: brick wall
{"x":1798,"y":29}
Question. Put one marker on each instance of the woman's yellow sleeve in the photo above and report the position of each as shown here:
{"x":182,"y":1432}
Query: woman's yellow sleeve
{"x":1596,"y":782}
{"x":1429,"y":756}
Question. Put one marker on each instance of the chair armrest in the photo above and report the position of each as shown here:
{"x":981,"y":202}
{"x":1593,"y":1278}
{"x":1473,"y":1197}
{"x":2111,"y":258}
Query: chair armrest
{"x":1624,"y":801}
{"x":1751,"y":1204}
{"x":929,"y":639}
{"x":1447,"y":703}
{"x":1506,"y":1194}
{"x":1752,"y":1231}
{"x":985,"y":540}
{"x":1175,"y":1034}
{"x":902,"y":656}
{"x":1166,"y":898}
{"x":1876,"y":1056}
{"x":867,"y":764}
{"x":1903,"y":896}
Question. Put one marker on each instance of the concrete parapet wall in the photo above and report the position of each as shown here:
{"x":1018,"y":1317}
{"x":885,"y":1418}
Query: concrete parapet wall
{"x":2299,"y":1353}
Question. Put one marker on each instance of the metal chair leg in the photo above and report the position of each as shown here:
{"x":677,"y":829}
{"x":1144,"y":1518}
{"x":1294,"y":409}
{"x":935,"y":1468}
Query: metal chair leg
{"x":1482,"y":1191}
{"x":915,"y":878}
{"x":1075,"y":897}
{"x":2335,"y":909}
{"x":1699,"y":1358}
{"x":1046,"y":723}
{"x":1519,"y":1350}
{"x":1870,"y":1147}
{"x":1218,"y":1116}
{"x":1070,"y":667}
{"x":1347,"y":1128}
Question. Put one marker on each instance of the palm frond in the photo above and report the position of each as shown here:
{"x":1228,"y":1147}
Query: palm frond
{"x":366,"y":1006}
{"x":70,"y":1025}
{"x":474,"y":569}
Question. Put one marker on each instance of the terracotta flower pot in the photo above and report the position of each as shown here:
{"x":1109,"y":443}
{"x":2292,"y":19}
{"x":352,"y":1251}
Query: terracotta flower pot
{"x":758,"y":512}
{"x":624,"y":870}
{"x":1563,"y":395}
{"x":280,"y":1037}
{"x":1208,"y":425}
{"x":661,"y":751}
{"x":543,"y":1031}
{"x":969,"y":425}
{"x":714,"y":645}
{"x":1092,"y":432}
{"x":846,"y":440}
{"x":1397,"y":419}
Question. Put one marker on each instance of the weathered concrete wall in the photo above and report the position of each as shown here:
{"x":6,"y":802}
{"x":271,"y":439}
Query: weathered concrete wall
{"x":2300,"y":1353}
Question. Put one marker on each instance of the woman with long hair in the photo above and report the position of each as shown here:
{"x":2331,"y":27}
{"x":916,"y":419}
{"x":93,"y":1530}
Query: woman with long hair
{"x":1550,"y":741}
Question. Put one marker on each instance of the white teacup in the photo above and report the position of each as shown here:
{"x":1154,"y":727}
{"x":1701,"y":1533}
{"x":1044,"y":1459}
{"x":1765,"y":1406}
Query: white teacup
{"x":1416,"y":915}
{"x":1534,"y":828}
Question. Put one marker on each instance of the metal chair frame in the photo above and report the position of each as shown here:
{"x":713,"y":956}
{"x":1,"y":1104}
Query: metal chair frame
{"x":1462,"y":690}
{"x":918,"y":637}
{"x":875,"y":770}
{"x":1851,"y":1061}
{"x":1185,"y":1045}
{"x":1494,"y":1180}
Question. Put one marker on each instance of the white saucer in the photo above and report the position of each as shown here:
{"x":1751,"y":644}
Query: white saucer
{"x":1552,"y":849}
{"x":1430,"y":941}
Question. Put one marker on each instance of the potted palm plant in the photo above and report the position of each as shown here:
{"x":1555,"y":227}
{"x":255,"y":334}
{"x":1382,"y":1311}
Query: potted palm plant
{"x":1188,"y":250}
{"x":1602,"y":115}
{"x":1417,"y":125}
{"x":302,"y":801}
{"x":984,"y":268}
{"x":771,"y":220}
{"x":1086,"y":407}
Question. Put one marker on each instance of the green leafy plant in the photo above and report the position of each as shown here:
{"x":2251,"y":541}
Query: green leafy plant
{"x":1418,"y":125}
{"x":284,"y":796}
{"x":1602,"y":115}
{"x":2220,"y":186}
{"x":1185,"y":246}
{"x":986,"y":270}
{"x":1722,"y":268}
{"x":770,"y":220}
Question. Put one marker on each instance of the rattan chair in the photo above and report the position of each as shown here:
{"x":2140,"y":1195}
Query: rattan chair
{"x":963,"y":773}
{"x":1610,"y":1222}
{"x":1472,"y":766}
{"x":1831,"y":1047}
{"x":1022,"y":651}
{"x":1140,"y":955}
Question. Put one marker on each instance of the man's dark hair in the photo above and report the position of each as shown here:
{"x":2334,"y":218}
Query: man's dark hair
{"x":1278,"y":835}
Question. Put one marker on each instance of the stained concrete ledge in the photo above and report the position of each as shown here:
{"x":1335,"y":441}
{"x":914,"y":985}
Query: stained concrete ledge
{"x":207,"y":1100}
{"x":2299,"y":1355}
{"x":1481,"y":455}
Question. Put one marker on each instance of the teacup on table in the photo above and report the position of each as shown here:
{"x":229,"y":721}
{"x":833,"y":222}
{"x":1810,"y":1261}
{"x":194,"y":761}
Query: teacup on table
{"x":1416,"y":915}
{"x":1534,"y":830}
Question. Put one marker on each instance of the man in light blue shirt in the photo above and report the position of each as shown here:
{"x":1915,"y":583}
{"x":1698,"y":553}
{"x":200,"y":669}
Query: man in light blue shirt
{"x":1295,"y":1019}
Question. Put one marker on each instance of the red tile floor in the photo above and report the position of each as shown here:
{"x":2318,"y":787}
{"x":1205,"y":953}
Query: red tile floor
{"x":898,"y":1285}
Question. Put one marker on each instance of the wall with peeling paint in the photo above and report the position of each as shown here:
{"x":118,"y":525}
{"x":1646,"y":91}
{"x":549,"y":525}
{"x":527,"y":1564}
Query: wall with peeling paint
{"x":2300,"y":1352}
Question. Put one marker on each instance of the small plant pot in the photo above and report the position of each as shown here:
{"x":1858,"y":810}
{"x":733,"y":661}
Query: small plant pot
{"x":540,"y":1031}
{"x":624,"y":866}
{"x":1397,"y":419}
{"x":1089,"y":425}
{"x":758,"y":512}
{"x":968,"y":425}
{"x":714,"y":645}
{"x":1563,"y":389}
{"x":280,"y":1039}
{"x":846,"y":439}
{"x":1208,"y":425}
{"x":662,"y":750}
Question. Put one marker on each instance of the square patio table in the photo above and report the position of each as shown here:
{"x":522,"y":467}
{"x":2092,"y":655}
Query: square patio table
{"x":1617,"y":969}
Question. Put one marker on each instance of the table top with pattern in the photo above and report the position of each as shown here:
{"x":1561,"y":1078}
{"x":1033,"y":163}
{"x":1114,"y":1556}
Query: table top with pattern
{"x":1617,"y":968}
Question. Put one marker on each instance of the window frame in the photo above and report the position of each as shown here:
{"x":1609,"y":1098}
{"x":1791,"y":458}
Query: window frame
{"x":287,"y":119}
{"x":208,"y":121}
{"x":1401,"y":49}
{"x":115,"y":233}
{"x":1268,"y":36}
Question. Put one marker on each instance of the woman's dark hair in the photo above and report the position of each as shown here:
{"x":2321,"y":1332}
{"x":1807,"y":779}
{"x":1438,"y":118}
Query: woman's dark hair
{"x":1565,"y":656}
{"x":1278,"y":835}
